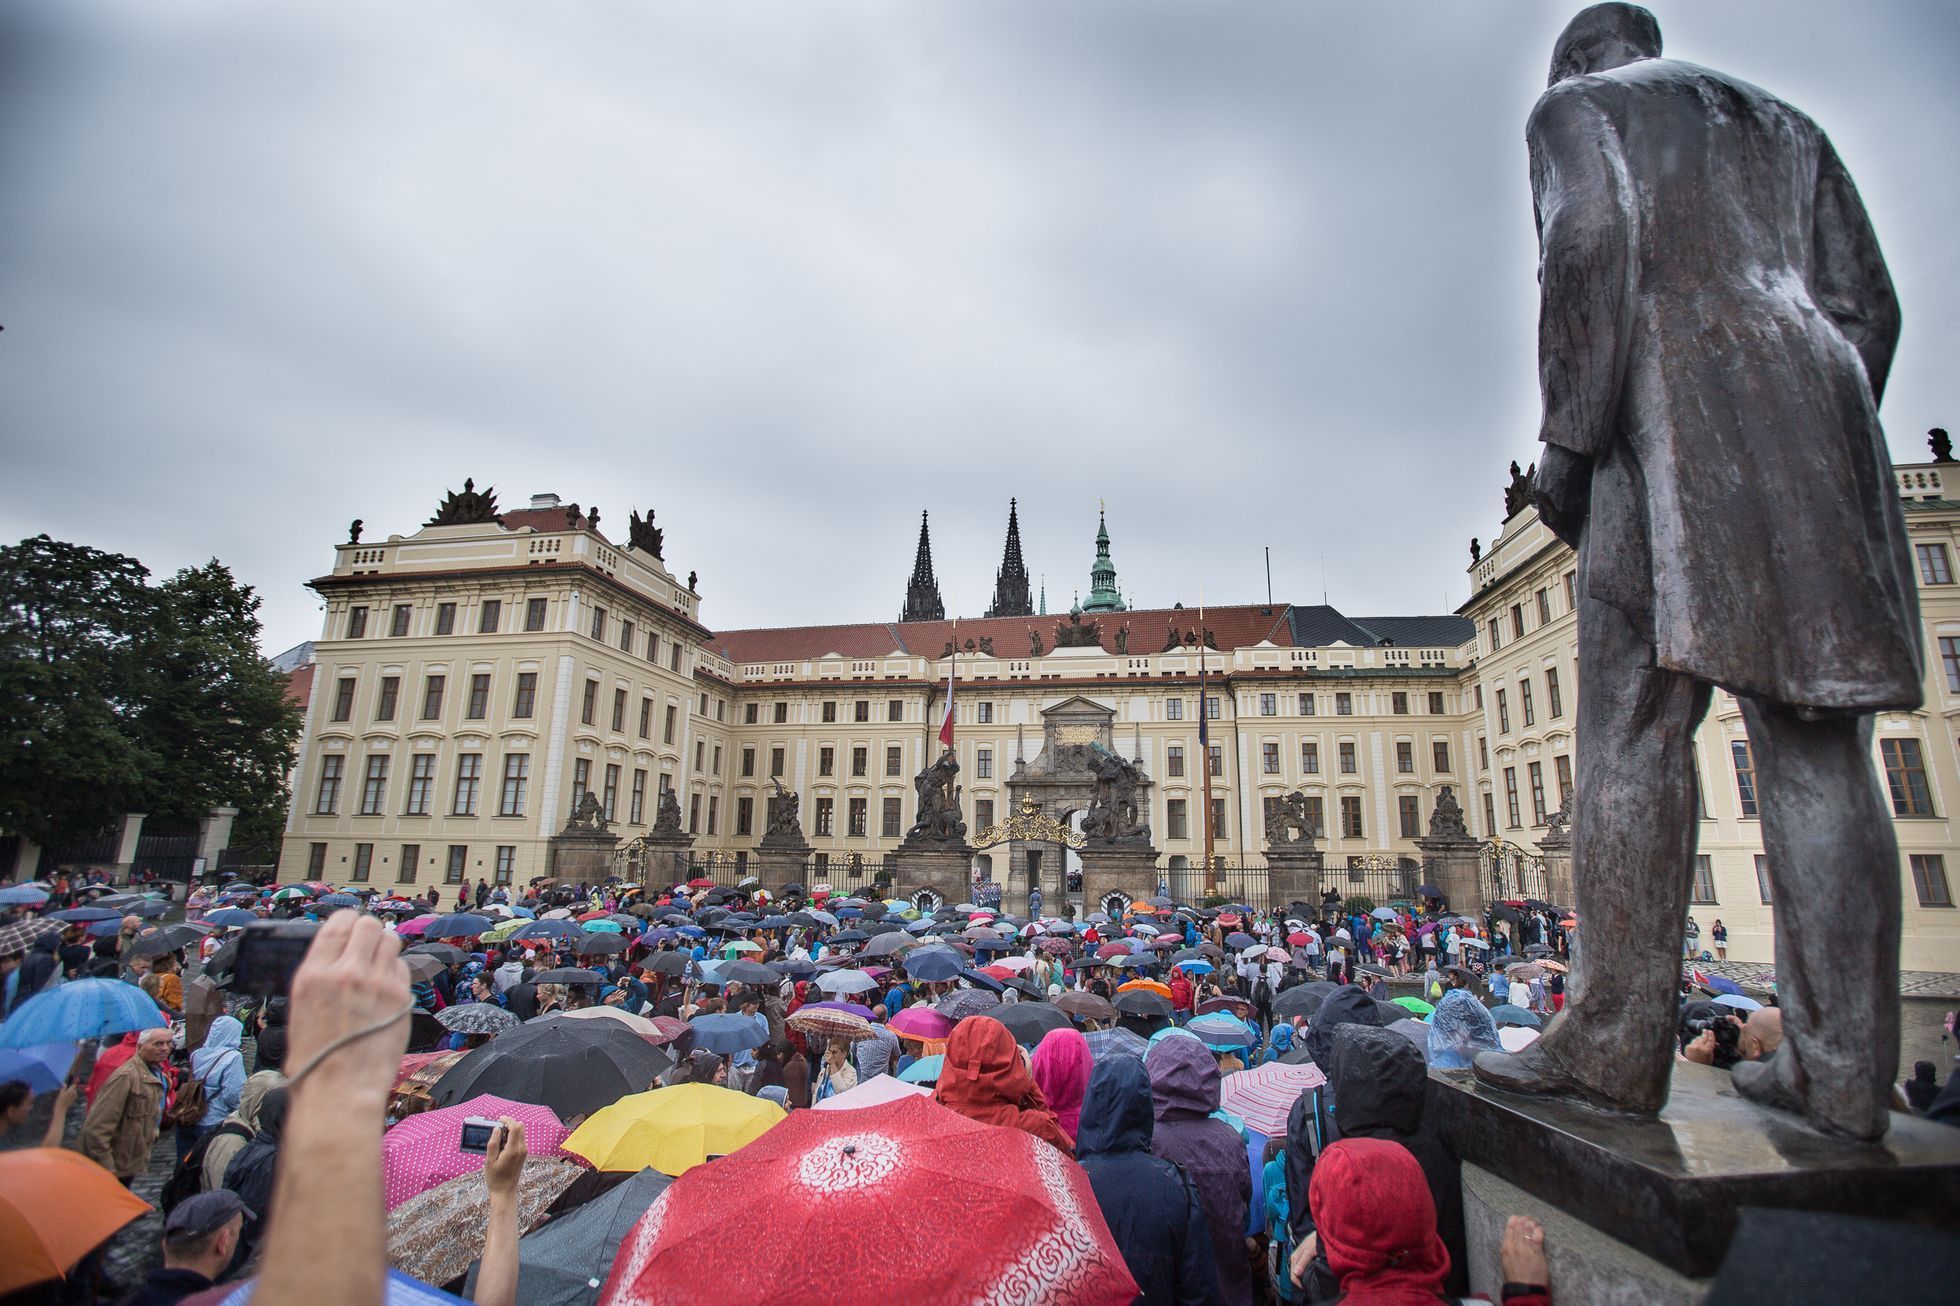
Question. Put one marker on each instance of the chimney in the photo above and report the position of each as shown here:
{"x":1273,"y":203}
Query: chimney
{"x":544,"y":501}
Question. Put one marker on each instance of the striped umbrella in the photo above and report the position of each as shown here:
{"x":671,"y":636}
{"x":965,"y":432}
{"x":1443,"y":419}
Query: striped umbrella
{"x":1263,"y":1095}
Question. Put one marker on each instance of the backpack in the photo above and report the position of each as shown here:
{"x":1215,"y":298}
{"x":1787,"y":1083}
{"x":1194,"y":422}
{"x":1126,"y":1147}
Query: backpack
{"x":192,"y":1100}
{"x":187,"y":1180}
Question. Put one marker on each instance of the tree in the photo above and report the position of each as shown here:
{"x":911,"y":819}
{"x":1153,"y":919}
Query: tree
{"x":67,"y":762}
{"x":117,"y":696}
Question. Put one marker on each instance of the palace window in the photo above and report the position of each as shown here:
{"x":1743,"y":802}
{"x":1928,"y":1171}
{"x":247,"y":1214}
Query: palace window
{"x":1175,"y":821}
{"x":826,"y":761}
{"x":1405,"y":757}
{"x":489,"y":616}
{"x":1218,"y":830}
{"x":983,"y":812}
{"x":374,"y":793}
{"x":1398,"y":703}
{"x":781,"y":713}
{"x":517,"y":778}
{"x":619,"y":710}
{"x":469,"y":779}
{"x":525,"y":703}
{"x":391,"y":689}
{"x":1348,"y":766}
{"x":327,"y":801}
{"x":609,"y":795}
{"x":895,"y":710}
{"x":1934,"y":568}
{"x":1562,"y":770}
{"x":860,"y":818}
{"x":445,"y":618}
{"x":1503,"y":714}
{"x":588,"y":707}
{"x":1511,"y":797}
{"x":1536,"y":772}
{"x":861,"y":710}
{"x":1173,"y":709}
{"x":860,"y":761}
{"x":1439,"y":755}
{"x":534,"y":614}
{"x":1350,"y":816}
{"x":1762,"y":877}
{"x":1929,"y":880}
{"x":829,"y":710}
{"x":1435,"y":703}
{"x":432,"y":697}
{"x":1216,"y":754}
{"x":1702,"y":892}
{"x":581,"y":779}
{"x":670,"y":724}
{"x":1496,"y":640}
{"x":744,"y":815}
{"x":1269,"y":758}
{"x":983,"y":764}
{"x":1310,"y":757}
{"x":1408,"y":811}
{"x":421,"y":784}
{"x":479,"y":705}
{"x":1905,"y":775}
{"x":1544,"y":607}
{"x":889,"y":818}
{"x":1552,"y":699}
{"x":1343,"y":704}
{"x":1950,"y":660}
{"x":983,"y":712}
{"x":894,"y":760}
{"x":1269,"y":705}
{"x":776,"y":763}
{"x":356,"y":623}
{"x":343,"y":699}
{"x":1306,"y":705}
{"x":599,"y":623}
{"x":363,"y":862}
{"x":1524,"y":702}
{"x":748,"y":762}
{"x":637,"y":810}
{"x":506,"y":862}
{"x":399,"y":626}
{"x":1517,"y":620}
{"x":1745,"y":776}
{"x":458,"y":866}
{"x":1174,"y":760}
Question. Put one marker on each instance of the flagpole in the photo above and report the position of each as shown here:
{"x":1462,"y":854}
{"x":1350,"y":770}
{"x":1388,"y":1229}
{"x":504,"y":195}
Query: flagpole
{"x":1204,"y":746}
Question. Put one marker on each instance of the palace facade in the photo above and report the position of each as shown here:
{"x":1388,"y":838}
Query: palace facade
{"x":476,"y":678}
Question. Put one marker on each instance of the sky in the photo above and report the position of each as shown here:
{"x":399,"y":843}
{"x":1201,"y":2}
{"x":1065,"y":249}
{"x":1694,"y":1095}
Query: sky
{"x":1257,"y":276}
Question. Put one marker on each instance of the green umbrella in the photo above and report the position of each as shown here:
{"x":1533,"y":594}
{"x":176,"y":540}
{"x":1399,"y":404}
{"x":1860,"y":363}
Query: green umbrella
{"x":1416,"y":1005}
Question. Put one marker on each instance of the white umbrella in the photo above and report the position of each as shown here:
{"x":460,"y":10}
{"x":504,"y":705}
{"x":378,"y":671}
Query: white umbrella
{"x":846,"y":981}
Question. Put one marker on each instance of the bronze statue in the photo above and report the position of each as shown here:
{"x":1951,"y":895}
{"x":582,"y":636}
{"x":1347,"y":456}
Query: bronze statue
{"x":667,"y":813}
{"x":1034,"y":643}
{"x":1940,"y":443}
{"x":1113,"y":811}
{"x":466,"y":509}
{"x":588,"y":814}
{"x":693,"y":581}
{"x":1289,"y":821}
{"x":788,"y":817}
{"x":1446,"y":818}
{"x":354,"y":531}
{"x":642,"y":534}
{"x":938,"y":803}
{"x":1077,"y":633}
{"x":1517,"y":495}
{"x":1476,"y":551}
{"x":1716,"y":324}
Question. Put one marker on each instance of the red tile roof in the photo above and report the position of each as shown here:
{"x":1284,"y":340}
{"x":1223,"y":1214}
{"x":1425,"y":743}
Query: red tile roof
{"x":299,"y":685}
{"x":543,"y":519}
{"x":1150,"y":629}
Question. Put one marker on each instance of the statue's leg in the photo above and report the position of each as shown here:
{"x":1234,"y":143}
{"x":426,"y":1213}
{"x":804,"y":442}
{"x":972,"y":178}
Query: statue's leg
{"x":1834,"y":870}
{"x":1633,"y":843}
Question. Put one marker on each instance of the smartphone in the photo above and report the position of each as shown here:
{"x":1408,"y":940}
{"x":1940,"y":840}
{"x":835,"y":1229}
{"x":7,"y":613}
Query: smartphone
{"x":477,"y":1132}
{"x":268,"y":954}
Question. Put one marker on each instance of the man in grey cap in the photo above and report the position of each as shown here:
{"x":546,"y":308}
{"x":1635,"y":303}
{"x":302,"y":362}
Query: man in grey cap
{"x":199,"y":1238}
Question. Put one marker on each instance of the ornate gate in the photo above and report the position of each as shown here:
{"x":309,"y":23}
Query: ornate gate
{"x":1511,"y":873}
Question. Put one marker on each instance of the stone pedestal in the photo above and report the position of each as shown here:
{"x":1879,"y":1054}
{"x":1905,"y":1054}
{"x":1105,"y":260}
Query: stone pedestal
{"x":666,"y":858}
{"x":1556,"y":849}
{"x":1293,"y":873}
{"x":782,"y":857}
{"x":944,"y":868}
{"x":583,"y":856}
{"x":1452,"y":863}
{"x":1128,"y":869}
{"x":1645,"y":1208}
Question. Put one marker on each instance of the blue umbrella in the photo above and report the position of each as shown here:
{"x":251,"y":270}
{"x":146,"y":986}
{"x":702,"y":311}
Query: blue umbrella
{"x":725,"y":1034}
{"x":41,"y":1068}
{"x":23,"y":895}
{"x":227,"y":917}
{"x":85,"y":915}
{"x":1195,"y":967}
{"x":525,"y":912}
{"x":104,"y":929}
{"x":459,"y":925}
{"x":933,"y":964}
{"x":925,"y":1070}
{"x":149,"y":910}
{"x":1511,"y":1014}
{"x":1722,"y":984}
{"x":979,"y":981}
{"x":344,"y":900}
{"x":80,"y":1009}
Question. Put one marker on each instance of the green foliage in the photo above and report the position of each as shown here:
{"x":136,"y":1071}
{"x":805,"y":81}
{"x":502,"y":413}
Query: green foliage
{"x":120,"y":696}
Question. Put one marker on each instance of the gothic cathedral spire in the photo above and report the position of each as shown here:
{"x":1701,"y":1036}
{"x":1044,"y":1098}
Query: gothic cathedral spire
{"x":1103,"y":595}
{"x":922,"y":595}
{"x":1011,"y":597}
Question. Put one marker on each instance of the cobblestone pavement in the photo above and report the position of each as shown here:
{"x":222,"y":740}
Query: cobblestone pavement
{"x":1912,"y":983}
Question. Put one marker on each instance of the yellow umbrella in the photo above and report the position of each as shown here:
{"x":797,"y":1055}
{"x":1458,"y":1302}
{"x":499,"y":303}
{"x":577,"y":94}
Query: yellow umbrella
{"x":672,"y":1129}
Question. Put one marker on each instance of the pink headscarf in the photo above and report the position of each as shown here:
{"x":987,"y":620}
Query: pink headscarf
{"x":1061,"y":1066}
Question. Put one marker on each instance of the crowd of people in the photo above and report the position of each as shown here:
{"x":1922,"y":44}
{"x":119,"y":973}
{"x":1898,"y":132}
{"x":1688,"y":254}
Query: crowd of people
{"x":1243,"y":1095}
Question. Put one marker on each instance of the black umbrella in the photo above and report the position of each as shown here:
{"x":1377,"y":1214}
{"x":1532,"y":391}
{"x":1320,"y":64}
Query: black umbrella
{"x":1142,"y":1002}
{"x":804,"y":919}
{"x":746,"y":972}
{"x":566,"y":975}
{"x":1239,"y":939}
{"x":1302,"y":999}
{"x":789,"y":889}
{"x":601,"y":943}
{"x":849,"y":936}
{"x":555,"y":1264}
{"x":1028,"y":1022}
{"x":791,"y":967}
{"x":1428,"y":891}
{"x":1027,"y":986}
{"x":449,"y":953}
{"x":669,"y":963}
{"x":476,"y":1018}
{"x":1540,"y":950}
{"x":572,"y":1066}
{"x":166,"y":938}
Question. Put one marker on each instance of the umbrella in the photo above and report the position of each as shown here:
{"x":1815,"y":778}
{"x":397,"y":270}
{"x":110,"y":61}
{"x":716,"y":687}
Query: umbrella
{"x":1026,"y":1227}
{"x":165,"y":938}
{"x":673,"y":1129}
{"x":1302,"y":999}
{"x":926,"y":1070}
{"x":422,"y":968}
{"x":41,"y":1068}
{"x":1028,"y":1022}
{"x":598,"y":944}
{"x":887,"y":943}
{"x":573,"y":1067}
{"x":447,"y":953}
{"x":476,"y":1018}
{"x":747,"y":972}
{"x":1197,"y":966}
{"x":1222,"y":1033}
{"x":921,"y":1023}
{"x":1086,"y":1006}
{"x":556,"y":1263}
{"x":560,"y":930}
{"x":1416,"y":1005}
{"x":228,"y":917}
{"x":421,"y":1151}
{"x":85,"y":915}
{"x":982,"y":980}
{"x":1548,"y":964}
{"x":1416,"y":1031}
{"x":1738,"y":1001}
{"x":1116,"y":1043}
{"x":847,"y":981}
{"x":828,"y":1022}
{"x":20,"y":936}
{"x":569,"y":975}
{"x":435,"y":1235}
{"x":1539,"y":950}
{"x":1509,"y":1014}
{"x":22,"y":895}
{"x":1158,"y":987}
{"x":725,"y":1034}
{"x":933,"y":964}
{"x":875,"y":1091}
{"x":80,"y":1009}
{"x":55,"y":1207}
{"x":291,"y":892}
{"x":669,"y":963}
{"x":1473,"y":943}
{"x":1721,"y":984}
{"x":1142,"y":1002}
{"x":1240,"y":941}
{"x":1263,"y":1095}
{"x":640,"y":1025}
{"x":1516,"y":1038}
{"x":961,"y":1003}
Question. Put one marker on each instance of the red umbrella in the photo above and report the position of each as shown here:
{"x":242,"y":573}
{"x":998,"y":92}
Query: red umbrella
{"x":421,"y":1151}
{"x":700,"y":884}
{"x":1113,"y":950}
{"x":1026,"y":1226}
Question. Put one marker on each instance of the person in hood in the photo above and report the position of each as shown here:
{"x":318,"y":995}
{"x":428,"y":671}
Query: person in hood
{"x":237,"y":1129}
{"x":270,"y":1047}
{"x":36,"y":973}
{"x":1459,"y":1028}
{"x":221,"y":1066}
{"x":1060,"y":1066}
{"x":1152,"y":1208}
{"x":984,"y":1078}
{"x":252,"y":1172}
{"x":1346,"y":1005}
{"x":1376,"y":1225}
{"x":1382,"y":1084}
{"x":1184,"y":1087}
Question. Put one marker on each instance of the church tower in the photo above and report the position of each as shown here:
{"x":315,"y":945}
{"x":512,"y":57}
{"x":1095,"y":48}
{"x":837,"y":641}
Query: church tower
{"x":922,"y":595}
{"x":1011,"y":598}
{"x":1103,"y":595}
